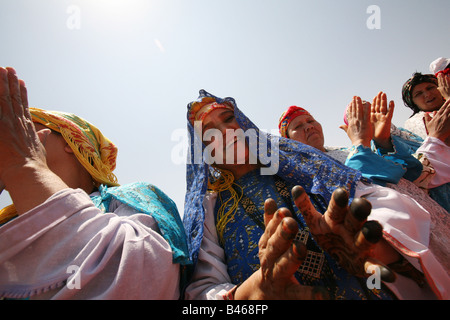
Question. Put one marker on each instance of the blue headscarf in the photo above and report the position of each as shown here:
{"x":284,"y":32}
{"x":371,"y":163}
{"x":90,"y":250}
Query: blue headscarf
{"x":298,"y":164}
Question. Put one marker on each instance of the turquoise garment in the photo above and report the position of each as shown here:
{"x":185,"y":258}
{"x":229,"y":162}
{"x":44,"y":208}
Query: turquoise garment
{"x":242,"y":235}
{"x":374,"y":167}
{"x":402,"y":155}
{"x":148,"y":199}
{"x":385,"y":167}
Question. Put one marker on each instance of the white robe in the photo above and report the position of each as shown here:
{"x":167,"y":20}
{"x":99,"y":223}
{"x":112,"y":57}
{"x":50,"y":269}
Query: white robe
{"x":406,"y":225}
{"x":66,"y":248}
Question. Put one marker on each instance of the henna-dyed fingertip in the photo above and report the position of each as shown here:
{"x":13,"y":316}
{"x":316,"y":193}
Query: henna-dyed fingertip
{"x":387,"y":275}
{"x":297,"y":191}
{"x":299,"y":249}
{"x":360,"y":208}
{"x":340,"y":196}
{"x":372,"y":231}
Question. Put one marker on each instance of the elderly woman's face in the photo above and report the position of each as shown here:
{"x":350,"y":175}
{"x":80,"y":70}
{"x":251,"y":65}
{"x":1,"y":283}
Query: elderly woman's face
{"x":427,"y":97}
{"x":223,"y":137}
{"x":307,"y":130}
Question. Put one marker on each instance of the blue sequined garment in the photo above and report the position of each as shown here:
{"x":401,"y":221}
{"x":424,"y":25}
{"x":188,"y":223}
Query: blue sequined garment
{"x":242,"y":235}
{"x":298,"y":164}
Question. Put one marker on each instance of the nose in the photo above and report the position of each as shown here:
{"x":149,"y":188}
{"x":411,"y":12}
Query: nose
{"x":427,"y":93}
{"x":307,"y":127}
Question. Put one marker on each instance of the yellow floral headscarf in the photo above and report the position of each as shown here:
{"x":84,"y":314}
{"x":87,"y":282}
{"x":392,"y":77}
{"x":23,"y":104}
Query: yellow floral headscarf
{"x":95,"y":152}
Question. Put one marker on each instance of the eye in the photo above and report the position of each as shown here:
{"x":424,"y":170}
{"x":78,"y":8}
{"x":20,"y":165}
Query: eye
{"x":417,"y":94}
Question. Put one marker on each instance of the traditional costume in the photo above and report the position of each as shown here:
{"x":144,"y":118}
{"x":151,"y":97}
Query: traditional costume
{"x":224,"y":226}
{"x":383,"y":170}
{"x":121,"y":242}
{"x":429,"y":148}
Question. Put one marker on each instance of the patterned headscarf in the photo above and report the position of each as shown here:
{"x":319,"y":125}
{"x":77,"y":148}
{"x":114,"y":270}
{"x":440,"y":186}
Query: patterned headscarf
{"x":298,"y":164}
{"x":94,"y":151}
{"x":409,"y":85}
{"x":291,"y":113}
{"x":200,"y":109}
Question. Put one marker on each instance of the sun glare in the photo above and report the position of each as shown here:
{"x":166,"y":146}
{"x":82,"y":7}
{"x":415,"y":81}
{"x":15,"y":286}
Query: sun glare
{"x":119,"y":10}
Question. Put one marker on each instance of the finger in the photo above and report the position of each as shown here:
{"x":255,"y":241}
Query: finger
{"x":5,"y":99}
{"x":303,"y":203}
{"x":337,"y":208}
{"x":23,"y":93}
{"x":359,"y":108}
{"x":360,"y":209}
{"x":383,"y":104}
{"x":277,"y":245}
{"x":375,"y":267}
{"x":14,"y":91}
{"x":24,"y":98}
{"x":344,"y":127}
{"x":426,"y":118}
{"x":363,"y":110}
{"x":287,"y":262}
{"x":270,"y":207}
{"x":43,"y":135}
{"x":352,"y":108}
{"x":371,"y":232}
{"x":390,"y":113}
{"x":273,"y":225}
{"x":376,"y":102}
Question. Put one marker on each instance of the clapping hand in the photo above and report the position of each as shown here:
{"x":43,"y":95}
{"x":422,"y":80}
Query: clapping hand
{"x":360,"y":129}
{"x":381,"y":118}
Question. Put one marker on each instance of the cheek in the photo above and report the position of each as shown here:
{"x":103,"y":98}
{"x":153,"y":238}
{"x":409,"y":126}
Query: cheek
{"x":297,"y":135}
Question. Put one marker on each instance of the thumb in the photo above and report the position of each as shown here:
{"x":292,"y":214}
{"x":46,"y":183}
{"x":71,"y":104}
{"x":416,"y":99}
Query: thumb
{"x":426,"y":118}
{"x":344,"y":127}
{"x":43,"y":135}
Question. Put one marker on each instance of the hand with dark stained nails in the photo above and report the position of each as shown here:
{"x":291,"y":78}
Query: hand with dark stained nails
{"x":344,"y":232}
{"x":280,"y":257}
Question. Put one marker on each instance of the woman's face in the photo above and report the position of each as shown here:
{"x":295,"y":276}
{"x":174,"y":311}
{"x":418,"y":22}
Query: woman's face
{"x":427,"y":97}
{"x":224,"y":138}
{"x":307,"y":130}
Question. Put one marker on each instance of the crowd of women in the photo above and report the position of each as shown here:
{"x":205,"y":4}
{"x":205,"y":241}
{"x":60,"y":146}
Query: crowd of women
{"x":366,"y":222}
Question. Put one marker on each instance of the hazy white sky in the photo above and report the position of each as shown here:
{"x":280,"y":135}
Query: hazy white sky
{"x":132,"y":66}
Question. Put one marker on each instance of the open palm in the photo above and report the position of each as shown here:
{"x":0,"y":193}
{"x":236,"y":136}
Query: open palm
{"x":381,"y":118}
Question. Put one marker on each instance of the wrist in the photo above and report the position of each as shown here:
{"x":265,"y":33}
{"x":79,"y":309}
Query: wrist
{"x":361,"y":142}
{"x":31,"y":184}
{"x":384,"y":143}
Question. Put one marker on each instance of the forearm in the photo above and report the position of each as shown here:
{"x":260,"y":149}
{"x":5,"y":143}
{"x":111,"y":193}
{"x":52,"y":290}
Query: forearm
{"x":374,"y":166}
{"x":400,"y":153}
{"x":31,"y":184}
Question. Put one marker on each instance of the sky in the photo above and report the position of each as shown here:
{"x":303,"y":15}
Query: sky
{"x":132,"y":66}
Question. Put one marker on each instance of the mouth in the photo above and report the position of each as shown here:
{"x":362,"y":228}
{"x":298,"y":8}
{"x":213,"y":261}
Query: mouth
{"x":312,"y":134}
{"x":232,"y":142}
